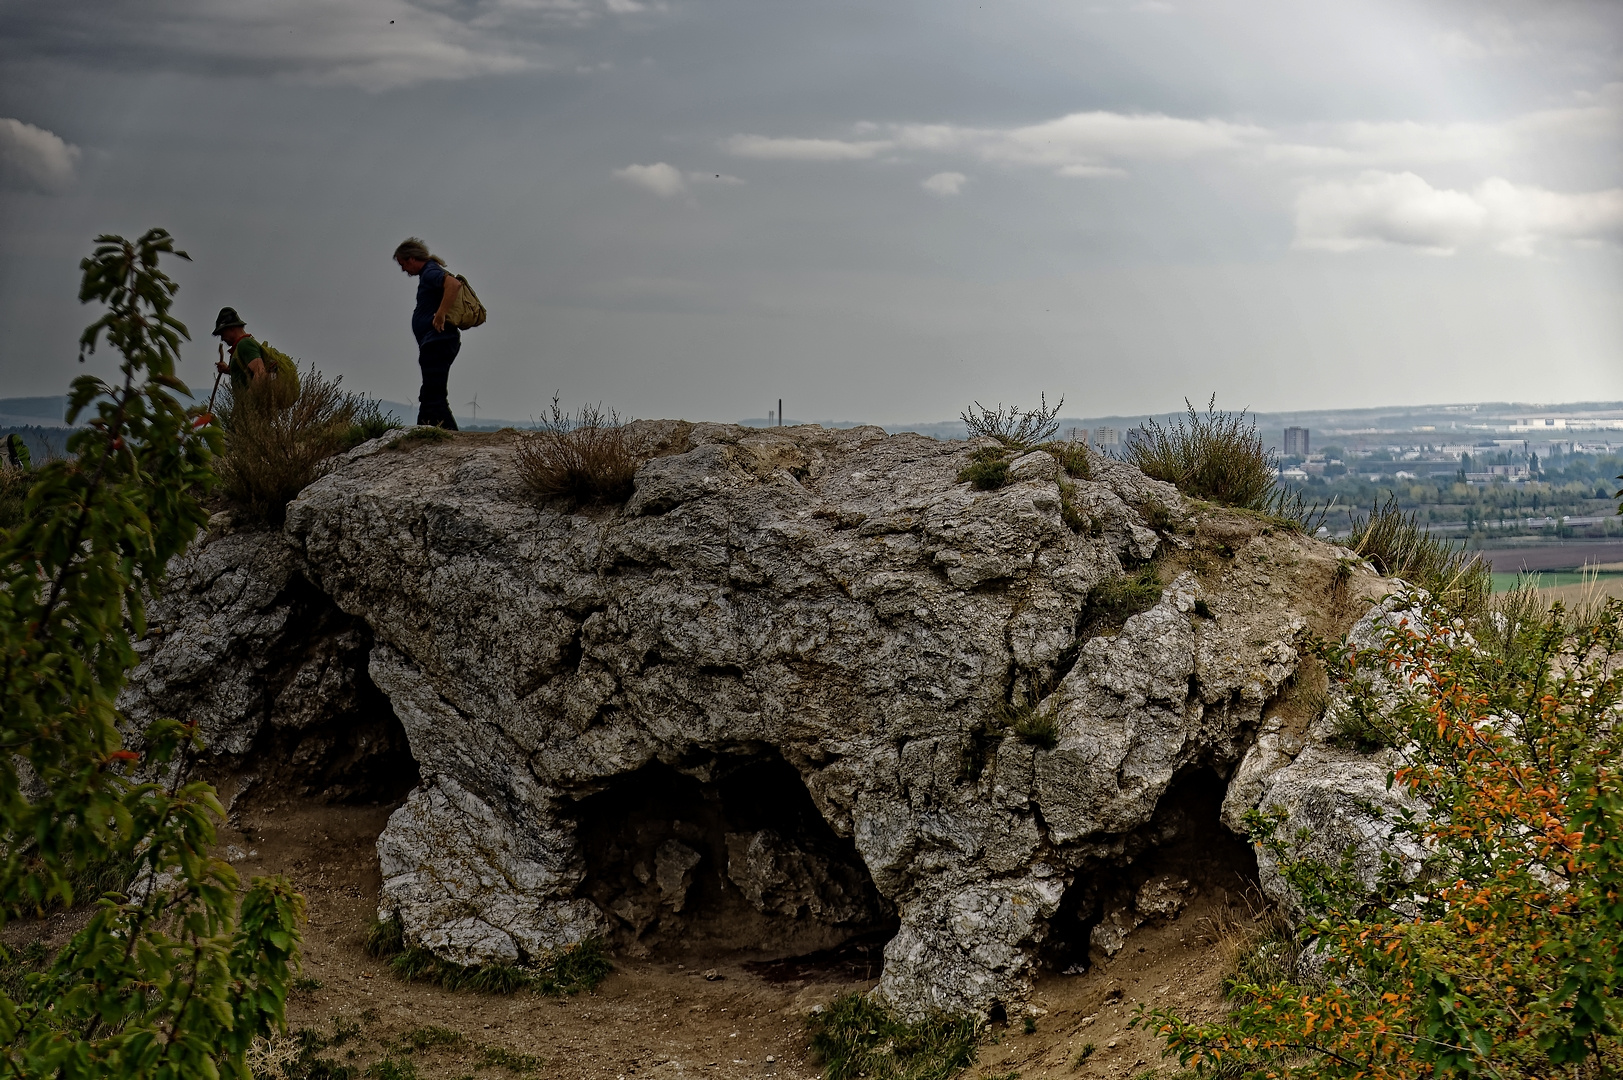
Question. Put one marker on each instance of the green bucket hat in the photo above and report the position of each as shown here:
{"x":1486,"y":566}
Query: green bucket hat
{"x":226,"y":319}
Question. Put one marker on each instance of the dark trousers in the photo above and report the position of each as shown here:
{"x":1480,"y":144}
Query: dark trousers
{"x":435,"y":359}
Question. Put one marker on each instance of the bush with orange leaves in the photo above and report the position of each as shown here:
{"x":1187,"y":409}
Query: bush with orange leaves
{"x":1502,"y":958}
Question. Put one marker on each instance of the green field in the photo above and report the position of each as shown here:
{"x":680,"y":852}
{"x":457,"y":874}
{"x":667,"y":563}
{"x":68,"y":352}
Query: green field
{"x":1549,"y":579}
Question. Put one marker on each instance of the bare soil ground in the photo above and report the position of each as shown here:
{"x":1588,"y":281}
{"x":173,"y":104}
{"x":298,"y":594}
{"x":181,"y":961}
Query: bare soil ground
{"x":723,"y":1016}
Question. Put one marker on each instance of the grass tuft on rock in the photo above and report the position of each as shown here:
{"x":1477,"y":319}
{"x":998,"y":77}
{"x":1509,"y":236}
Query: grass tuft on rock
{"x":1115,"y":600}
{"x":274,"y":451}
{"x":423,"y":433}
{"x":988,"y":469}
{"x":1216,"y":456}
{"x":590,"y":458}
{"x":1032,"y":724}
{"x":565,"y":971}
{"x":856,"y":1036}
{"x":1014,"y":428}
{"x":1401,"y":547}
{"x":1072,"y":458}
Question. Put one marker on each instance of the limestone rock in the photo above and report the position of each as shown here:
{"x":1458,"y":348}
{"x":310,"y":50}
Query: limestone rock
{"x":243,"y":645}
{"x":1337,"y":798}
{"x":1109,"y":937}
{"x":771,"y":680}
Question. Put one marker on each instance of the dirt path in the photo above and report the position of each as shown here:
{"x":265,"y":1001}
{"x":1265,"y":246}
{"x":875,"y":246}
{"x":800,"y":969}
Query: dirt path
{"x":664,"y":1019}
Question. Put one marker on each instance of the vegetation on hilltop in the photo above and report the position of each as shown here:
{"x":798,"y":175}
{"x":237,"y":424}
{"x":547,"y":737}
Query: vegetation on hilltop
{"x":590,"y":459}
{"x":274,"y":450}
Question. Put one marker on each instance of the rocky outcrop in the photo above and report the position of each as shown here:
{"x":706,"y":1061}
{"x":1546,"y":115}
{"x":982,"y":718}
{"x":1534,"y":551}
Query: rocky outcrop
{"x":273,"y":675}
{"x":1330,"y":801}
{"x":803,"y":685}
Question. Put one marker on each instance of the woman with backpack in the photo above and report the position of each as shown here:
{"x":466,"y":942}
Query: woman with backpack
{"x":438,"y":341}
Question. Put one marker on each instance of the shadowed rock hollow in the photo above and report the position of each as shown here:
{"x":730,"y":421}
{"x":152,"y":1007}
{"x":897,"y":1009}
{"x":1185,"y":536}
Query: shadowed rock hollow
{"x":763,"y":706}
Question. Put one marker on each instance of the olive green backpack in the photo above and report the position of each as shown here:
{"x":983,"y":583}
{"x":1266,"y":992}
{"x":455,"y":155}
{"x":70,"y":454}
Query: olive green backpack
{"x":284,"y":373}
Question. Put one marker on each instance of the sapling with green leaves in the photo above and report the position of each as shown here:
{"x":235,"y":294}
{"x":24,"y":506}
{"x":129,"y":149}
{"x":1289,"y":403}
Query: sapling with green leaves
{"x":176,"y":976}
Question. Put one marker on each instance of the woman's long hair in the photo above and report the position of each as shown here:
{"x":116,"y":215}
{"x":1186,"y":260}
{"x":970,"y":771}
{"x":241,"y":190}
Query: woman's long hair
{"x":412,"y":247}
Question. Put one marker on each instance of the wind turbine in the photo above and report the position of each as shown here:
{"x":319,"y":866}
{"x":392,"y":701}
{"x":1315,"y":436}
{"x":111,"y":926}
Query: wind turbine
{"x":474,"y":405}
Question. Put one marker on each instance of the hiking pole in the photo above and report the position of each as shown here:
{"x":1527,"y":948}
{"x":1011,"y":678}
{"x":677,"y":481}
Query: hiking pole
{"x":216,"y":390}
{"x":208,"y":418}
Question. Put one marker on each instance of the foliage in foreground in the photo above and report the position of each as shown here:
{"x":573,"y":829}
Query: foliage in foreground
{"x":1503,"y":958}
{"x":1400,"y":547}
{"x":15,"y":480}
{"x":177,"y":978}
{"x":273,"y":450}
{"x":590,"y":458}
{"x":856,"y":1036}
{"x":564,"y":972}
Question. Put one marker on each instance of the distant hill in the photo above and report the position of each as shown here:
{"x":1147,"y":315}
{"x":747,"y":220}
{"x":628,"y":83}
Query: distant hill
{"x":34,"y":411}
{"x":1442,"y":424}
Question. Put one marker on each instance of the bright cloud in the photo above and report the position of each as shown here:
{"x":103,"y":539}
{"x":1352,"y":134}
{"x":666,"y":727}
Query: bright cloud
{"x":1094,"y":138}
{"x":663,"y":180}
{"x":1379,"y":209}
{"x":1078,"y":145}
{"x":1520,"y":217}
{"x":33,"y":159}
{"x":945,"y":183}
{"x":770,"y":149}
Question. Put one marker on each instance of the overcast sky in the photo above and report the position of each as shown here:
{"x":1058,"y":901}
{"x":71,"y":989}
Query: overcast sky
{"x":876,"y":211}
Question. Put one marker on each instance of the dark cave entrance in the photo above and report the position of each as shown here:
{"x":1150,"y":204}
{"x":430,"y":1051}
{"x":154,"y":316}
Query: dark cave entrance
{"x":328,"y":732}
{"x":1185,"y":841}
{"x":740,"y":863}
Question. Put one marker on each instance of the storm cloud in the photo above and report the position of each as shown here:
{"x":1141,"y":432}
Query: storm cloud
{"x":878,"y":212}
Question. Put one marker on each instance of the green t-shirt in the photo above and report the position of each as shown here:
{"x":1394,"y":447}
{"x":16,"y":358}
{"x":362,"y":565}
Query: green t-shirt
{"x":242,"y":353}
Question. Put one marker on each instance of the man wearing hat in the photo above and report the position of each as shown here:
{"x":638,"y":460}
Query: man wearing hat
{"x":247,"y":360}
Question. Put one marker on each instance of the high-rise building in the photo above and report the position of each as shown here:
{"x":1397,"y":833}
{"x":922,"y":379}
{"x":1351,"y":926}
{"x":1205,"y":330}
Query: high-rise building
{"x":1106,"y":437}
{"x":1296,"y":442}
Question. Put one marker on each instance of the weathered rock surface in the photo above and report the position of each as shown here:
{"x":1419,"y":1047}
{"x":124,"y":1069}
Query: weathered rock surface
{"x":271,"y":672}
{"x":774,"y":679}
{"x":1335,"y":798}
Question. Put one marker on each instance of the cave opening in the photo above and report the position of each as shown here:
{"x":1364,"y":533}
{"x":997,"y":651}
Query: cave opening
{"x":1185,"y":857}
{"x":327,"y":732}
{"x":732,"y":858}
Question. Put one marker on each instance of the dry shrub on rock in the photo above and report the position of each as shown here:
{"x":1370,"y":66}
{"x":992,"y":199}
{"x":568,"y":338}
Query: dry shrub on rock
{"x":273,"y":453}
{"x":591,"y":457}
{"x":1014,"y":427}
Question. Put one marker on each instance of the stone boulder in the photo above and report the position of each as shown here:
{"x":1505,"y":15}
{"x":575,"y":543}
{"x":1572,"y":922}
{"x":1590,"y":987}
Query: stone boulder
{"x":770,"y":703}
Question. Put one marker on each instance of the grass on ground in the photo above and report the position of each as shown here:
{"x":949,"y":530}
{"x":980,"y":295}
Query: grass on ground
{"x":565,"y":971}
{"x":855,"y":1036}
